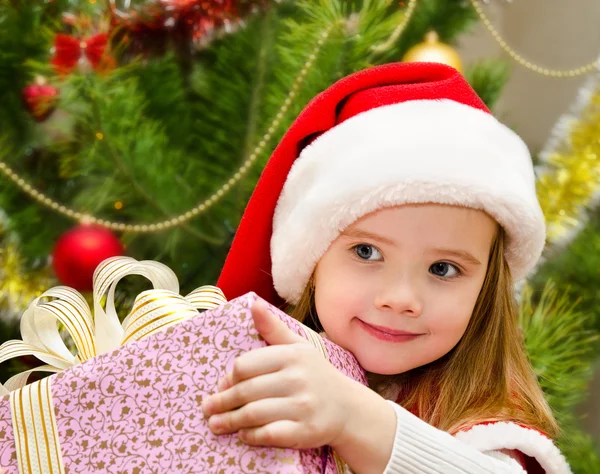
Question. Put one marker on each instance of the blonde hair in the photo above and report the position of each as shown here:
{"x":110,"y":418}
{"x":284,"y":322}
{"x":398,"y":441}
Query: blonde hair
{"x":485,"y":377}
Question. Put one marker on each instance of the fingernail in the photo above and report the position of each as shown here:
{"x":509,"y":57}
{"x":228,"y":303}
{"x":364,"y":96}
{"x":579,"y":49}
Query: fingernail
{"x":215,"y":424}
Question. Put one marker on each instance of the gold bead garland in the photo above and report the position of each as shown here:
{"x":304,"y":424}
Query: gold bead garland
{"x":200,"y":208}
{"x":524,"y":62}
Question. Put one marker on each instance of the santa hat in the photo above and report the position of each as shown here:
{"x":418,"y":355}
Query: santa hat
{"x":385,"y":136}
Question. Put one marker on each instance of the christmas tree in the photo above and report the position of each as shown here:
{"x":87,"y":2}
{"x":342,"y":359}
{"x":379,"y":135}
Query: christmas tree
{"x":141,"y":127}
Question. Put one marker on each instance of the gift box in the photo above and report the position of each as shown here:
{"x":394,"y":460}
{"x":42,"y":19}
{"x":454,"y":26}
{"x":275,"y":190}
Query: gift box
{"x":137,"y":408}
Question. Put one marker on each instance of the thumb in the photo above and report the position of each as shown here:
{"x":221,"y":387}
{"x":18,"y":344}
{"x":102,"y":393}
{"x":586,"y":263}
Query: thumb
{"x":273,"y":330}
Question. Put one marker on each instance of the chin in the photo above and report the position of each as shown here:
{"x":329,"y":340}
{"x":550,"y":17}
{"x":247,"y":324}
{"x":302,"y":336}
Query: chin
{"x":375,"y":366}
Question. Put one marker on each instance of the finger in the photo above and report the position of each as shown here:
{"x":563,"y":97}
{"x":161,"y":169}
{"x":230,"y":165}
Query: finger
{"x":280,"y":434}
{"x":257,"y":388}
{"x":252,"y":415}
{"x":257,"y":362}
{"x":273,"y":330}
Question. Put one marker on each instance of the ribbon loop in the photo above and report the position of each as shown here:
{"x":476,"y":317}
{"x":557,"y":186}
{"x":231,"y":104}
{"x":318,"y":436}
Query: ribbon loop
{"x":155,"y":310}
{"x":206,"y":297}
{"x":109,"y":332}
{"x":20,"y":380}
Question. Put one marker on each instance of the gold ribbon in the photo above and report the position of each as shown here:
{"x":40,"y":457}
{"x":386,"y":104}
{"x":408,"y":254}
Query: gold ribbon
{"x":36,"y":436}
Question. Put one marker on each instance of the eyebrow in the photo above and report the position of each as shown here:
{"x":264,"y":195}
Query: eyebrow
{"x":363,"y":234}
{"x":461,"y":254}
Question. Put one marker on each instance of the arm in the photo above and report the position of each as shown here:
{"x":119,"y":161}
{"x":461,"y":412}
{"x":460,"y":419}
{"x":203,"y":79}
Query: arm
{"x":382,"y":437}
{"x":436,"y":451}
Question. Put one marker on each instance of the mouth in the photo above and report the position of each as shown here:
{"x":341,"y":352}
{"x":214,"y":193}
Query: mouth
{"x":387,"y":334}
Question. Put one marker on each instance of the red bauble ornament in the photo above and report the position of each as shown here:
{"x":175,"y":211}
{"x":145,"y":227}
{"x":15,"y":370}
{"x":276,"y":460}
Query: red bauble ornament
{"x":40,"y":99}
{"x":79,"y":251}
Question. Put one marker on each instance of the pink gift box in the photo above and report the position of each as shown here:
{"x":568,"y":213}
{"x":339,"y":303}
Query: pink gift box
{"x":137,"y":409}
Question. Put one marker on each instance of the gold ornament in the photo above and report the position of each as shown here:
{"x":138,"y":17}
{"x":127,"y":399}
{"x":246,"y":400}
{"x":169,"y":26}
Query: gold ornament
{"x":433,"y":51}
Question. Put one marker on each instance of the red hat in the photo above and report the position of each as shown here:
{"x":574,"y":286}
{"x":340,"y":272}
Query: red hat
{"x":385,"y":136}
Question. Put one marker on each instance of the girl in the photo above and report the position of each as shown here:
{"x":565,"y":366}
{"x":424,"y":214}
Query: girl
{"x":393,"y":217}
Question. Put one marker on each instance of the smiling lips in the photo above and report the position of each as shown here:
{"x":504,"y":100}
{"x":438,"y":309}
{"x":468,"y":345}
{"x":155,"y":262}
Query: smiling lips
{"x":387,"y":334}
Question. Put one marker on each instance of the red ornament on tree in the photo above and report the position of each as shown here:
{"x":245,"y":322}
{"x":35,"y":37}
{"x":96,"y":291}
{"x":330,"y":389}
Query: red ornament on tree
{"x":79,"y":251}
{"x":40,"y":99}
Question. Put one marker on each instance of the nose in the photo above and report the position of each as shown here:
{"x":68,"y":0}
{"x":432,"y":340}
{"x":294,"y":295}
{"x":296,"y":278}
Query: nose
{"x":400,"y":296}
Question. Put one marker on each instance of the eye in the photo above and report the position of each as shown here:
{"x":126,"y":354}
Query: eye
{"x":367,"y":252}
{"x":444,"y":270}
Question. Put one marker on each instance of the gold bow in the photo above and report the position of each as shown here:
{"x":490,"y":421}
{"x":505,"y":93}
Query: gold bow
{"x":153,"y":310}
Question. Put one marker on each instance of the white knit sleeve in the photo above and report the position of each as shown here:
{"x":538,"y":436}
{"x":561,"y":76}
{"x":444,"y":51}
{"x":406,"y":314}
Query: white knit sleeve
{"x":421,"y":448}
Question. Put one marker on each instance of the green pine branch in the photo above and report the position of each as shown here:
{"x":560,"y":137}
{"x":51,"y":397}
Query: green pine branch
{"x":488,"y":78}
{"x":562,"y":351}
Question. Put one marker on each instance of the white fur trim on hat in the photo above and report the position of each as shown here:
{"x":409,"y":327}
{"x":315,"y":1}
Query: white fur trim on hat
{"x":425,"y":151}
{"x":505,"y":435}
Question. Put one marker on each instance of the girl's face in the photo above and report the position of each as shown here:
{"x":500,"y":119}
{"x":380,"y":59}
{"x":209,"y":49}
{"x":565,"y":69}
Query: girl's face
{"x":398,"y":287}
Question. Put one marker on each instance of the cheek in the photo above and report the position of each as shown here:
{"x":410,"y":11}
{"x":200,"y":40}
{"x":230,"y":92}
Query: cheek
{"x":340,"y":299}
{"x":452,"y":326}
{"x":451,"y":315}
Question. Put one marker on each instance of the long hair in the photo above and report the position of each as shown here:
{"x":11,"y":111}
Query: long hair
{"x":485,"y":377}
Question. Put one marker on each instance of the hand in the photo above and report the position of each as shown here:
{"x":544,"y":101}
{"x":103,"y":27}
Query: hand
{"x":283,"y":395}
